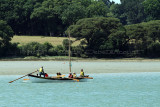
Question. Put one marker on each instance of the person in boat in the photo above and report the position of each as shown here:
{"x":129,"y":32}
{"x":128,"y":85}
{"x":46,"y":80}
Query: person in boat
{"x":74,"y":75}
{"x":59,"y":74}
{"x":41,"y":71}
{"x":70,"y":75}
{"x":46,"y":75}
{"x":81,"y":73}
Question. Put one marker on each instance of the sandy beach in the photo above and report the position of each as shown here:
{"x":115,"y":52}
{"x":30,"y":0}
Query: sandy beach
{"x":89,"y":66}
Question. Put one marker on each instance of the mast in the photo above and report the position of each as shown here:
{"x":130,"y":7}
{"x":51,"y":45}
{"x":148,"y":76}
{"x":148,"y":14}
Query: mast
{"x":69,"y":52}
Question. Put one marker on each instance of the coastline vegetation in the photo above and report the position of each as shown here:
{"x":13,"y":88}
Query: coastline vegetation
{"x":100,"y":29}
{"x":23,"y":39}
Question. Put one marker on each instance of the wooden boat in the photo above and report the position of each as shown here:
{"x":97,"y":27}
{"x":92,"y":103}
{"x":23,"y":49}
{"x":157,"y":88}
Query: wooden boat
{"x":36,"y":78}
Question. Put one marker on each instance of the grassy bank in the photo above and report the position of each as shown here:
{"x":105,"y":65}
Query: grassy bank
{"x":65,"y":58}
{"x":33,"y":58}
{"x":41,"y":39}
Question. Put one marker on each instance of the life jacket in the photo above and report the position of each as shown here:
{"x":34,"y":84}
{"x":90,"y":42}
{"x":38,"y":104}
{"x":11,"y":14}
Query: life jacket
{"x":82,"y":73}
{"x":70,"y":76}
{"x":40,"y":70}
{"x":74,"y":75}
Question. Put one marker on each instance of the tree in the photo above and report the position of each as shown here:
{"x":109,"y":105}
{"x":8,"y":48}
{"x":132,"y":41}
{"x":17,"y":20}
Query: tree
{"x":153,"y":29}
{"x":129,"y":11}
{"x":73,"y":13}
{"x":33,"y":49}
{"x":47,"y":46}
{"x":152,"y":9}
{"x":66,"y":43}
{"x":45,"y":17}
{"x":108,"y":2}
{"x":17,"y":14}
{"x":6,"y":33}
{"x":138,"y":38}
{"x":97,"y":8}
{"x":144,"y":37}
{"x":96,"y":31}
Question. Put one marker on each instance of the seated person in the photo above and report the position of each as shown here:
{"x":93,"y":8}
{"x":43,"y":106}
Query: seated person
{"x":74,"y":75}
{"x":70,"y":75}
{"x":59,"y":75}
{"x":82,"y":73}
{"x":46,"y":75}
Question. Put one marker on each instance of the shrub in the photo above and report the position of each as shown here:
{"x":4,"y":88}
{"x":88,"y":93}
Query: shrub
{"x":33,"y":49}
{"x":60,"y":50}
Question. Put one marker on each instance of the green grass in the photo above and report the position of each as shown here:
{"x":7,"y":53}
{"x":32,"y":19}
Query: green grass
{"x":41,"y":39}
{"x":33,"y":58}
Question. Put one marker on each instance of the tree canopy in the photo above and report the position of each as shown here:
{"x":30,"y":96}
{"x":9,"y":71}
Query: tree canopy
{"x":6,"y":33}
{"x":102,"y":25}
{"x":99,"y":33}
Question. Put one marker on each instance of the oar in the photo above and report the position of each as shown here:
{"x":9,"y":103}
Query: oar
{"x":76,"y":80}
{"x":89,"y":77}
{"x":60,"y":75}
{"x":26,"y":79}
{"x":22,"y":76}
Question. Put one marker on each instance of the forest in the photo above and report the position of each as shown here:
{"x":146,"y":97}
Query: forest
{"x":106,"y":29}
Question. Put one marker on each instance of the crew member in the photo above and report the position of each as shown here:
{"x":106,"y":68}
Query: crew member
{"x":41,"y":71}
{"x":74,"y":75}
{"x":46,"y":75}
{"x":59,"y":75}
{"x":82,"y":73}
{"x":70,"y":75}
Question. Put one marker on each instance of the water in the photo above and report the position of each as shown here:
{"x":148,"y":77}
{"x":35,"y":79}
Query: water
{"x":136,"y":89}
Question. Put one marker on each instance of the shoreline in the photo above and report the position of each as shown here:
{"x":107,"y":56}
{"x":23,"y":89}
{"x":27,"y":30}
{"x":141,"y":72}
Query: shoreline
{"x":91,"y":66}
{"x":65,"y":58}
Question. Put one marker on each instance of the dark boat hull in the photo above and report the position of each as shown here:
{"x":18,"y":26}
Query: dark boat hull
{"x":38,"y":79}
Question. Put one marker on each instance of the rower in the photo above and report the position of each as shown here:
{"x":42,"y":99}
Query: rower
{"x":59,"y":75}
{"x":74,"y":75}
{"x":70,"y":75}
{"x":81,"y":73}
{"x":41,"y":71}
{"x":46,"y":75}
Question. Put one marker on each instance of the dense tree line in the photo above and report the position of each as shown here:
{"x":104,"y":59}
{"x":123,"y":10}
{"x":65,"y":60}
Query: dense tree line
{"x":48,"y":17}
{"x":107,"y":37}
{"x":53,"y":17}
{"x":106,"y":29}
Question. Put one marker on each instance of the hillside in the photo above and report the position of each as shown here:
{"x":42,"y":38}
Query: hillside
{"x":41,"y":39}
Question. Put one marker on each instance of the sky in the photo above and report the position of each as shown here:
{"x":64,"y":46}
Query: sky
{"x":117,"y":1}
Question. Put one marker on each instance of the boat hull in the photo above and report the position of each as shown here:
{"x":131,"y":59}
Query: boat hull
{"x":42,"y":80}
{"x":38,"y":79}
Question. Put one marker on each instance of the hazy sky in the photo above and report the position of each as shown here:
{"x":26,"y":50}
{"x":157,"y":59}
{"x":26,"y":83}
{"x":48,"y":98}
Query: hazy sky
{"x":117,"y":1}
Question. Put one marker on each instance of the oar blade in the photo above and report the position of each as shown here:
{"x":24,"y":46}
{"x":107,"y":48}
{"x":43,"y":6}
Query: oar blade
{"x":60,"y":75}
{"x":76,"y":80}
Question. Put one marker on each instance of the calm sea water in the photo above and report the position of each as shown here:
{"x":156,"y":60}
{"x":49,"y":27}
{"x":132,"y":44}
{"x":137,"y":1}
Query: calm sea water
{"x":105,"y":90}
